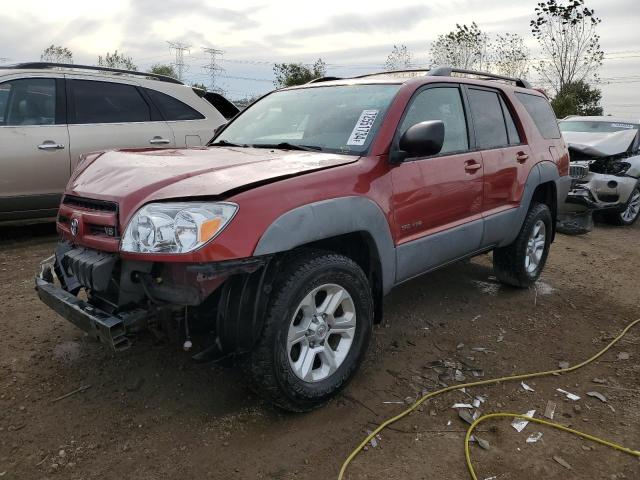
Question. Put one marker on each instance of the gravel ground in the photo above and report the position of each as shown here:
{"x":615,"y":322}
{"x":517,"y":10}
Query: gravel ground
{"x":149,"y":413}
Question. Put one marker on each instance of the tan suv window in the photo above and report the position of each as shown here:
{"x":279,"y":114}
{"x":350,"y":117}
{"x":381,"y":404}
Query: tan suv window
{"x":28,"y":101}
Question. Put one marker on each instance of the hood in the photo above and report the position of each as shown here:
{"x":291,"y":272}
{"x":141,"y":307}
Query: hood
{"x":599,"y":144}
{"x":132,"y":177}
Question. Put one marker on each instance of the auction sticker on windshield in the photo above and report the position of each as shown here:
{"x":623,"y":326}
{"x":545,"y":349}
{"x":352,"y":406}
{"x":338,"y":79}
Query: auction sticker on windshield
{"x":363,"y":127}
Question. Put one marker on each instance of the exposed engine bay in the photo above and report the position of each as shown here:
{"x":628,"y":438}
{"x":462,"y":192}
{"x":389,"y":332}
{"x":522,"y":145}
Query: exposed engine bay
{"x":605,"y":170}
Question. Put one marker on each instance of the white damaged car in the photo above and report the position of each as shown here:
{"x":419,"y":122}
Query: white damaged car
{"x":605,"y":169}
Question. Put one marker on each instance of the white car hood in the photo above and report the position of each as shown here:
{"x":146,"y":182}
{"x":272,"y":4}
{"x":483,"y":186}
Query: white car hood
{"x":598,"y":144}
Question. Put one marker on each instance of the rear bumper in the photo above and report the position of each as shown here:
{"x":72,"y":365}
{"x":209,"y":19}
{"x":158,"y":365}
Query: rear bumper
{"x":107,"y":328}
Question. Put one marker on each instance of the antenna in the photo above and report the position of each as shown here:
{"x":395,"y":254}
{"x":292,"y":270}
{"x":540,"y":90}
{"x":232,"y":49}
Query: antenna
{"x":179,"y":48}
{"x":213,"y":68}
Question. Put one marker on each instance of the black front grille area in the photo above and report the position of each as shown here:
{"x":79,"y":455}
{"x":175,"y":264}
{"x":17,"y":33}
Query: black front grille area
{"x":91,"y":268}
{"x":90,"y":204}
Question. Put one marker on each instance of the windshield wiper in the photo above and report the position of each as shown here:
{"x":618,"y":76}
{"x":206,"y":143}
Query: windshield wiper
{"x":224,"y":143}
{"x":288,"y":146}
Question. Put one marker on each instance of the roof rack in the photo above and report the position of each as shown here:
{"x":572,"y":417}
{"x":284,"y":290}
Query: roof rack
{"x":447,"y":71}
{"x":324,"y":79}
{"x":45,"y":65}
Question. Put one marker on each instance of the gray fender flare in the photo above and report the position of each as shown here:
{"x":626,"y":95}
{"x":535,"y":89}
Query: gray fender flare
{"x":542,"y":172}
{"x":330,"y":218}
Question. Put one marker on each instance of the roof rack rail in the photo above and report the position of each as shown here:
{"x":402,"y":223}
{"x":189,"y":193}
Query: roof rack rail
{"x":447,"y":71}
{"x":324,"y":79}
{"x":45,"y":65}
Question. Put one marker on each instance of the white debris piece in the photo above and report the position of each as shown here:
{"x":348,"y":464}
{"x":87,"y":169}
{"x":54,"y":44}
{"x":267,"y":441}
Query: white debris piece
{"x":462,"y":405}
{"x":598,"y":395}
{"x":520,"y":423}
{"x":570,"y":396}
{"x":534,"y":437}
{"x":527,"y":387}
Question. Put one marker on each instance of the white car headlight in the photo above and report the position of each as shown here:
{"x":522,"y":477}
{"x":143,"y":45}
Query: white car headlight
{"x":175,"y":227}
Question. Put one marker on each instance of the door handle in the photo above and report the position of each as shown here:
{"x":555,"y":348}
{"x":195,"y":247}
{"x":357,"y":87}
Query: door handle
{"x":49,"y":145}
{"x":522,"y":157}
{"x":159,"y":141}
{"x":471,"y":166}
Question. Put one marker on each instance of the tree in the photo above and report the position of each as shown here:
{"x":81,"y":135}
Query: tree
{"x":56,"y":54}
{"x":398,"y":59}
{"x":117,"y":60}
{"x":465,"y":47}
{"x":289,"y":74}
{"x":577,"y":98}
{"x":510,"y":56}
{"x":201,"y":86}
{"x":166,"y":70}
{"x":567,"y":37}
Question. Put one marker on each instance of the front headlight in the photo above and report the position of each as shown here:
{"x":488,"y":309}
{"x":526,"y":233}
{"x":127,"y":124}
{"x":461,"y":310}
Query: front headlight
{"x":176,"y":227}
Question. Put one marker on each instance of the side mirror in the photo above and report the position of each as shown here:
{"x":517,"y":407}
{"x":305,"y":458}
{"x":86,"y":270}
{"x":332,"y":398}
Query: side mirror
{"x":423,"y":139}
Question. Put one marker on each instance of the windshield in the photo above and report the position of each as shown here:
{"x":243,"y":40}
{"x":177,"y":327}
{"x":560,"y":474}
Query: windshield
{"x":338,"y":119}
{"x":595,"y":127}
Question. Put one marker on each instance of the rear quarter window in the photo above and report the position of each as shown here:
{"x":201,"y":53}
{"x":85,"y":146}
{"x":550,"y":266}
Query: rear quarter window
{"x":542,"y":114}
{"x":171,"y":108}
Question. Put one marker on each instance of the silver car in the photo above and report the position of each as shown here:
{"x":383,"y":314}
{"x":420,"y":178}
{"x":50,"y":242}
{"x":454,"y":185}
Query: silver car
{"x":50,"y":114}
{"x":605,"y":168}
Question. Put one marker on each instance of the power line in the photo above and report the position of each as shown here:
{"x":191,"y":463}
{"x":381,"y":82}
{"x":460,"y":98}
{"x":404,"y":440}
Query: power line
{"x":179,"y":48}
{"x":213,"y":68}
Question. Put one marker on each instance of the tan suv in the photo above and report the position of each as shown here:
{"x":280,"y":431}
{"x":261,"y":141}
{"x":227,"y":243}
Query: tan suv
{"x":50,"y":114}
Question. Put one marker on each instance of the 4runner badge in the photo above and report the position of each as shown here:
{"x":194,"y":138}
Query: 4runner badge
{"x":74,"y":227}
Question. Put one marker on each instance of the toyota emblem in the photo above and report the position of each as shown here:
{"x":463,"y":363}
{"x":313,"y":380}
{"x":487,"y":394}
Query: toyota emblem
{"x":74,"y":227}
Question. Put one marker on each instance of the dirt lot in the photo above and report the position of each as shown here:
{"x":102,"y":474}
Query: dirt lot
{"x":150,"y":414}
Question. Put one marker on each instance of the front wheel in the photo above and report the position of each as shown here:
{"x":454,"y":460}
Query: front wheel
{"x":629,"y":214}
{"x":316,"y":331}
{"x":521,"y":263}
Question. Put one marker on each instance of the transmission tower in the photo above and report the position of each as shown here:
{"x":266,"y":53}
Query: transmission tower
{"x":179,"y":48}
{"x":213,"y":67}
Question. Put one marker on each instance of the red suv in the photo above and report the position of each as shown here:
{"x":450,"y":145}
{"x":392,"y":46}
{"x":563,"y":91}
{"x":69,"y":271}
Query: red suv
{"x":276,"y":243}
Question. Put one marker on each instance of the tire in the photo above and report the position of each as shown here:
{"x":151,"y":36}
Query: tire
{"x":513,"y":264}
{"x":629,"y":214}
{"x":297,"y":364}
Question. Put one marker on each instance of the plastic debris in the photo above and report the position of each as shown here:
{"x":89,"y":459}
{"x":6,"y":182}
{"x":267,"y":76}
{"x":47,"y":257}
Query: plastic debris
{"x":570,"y":396}
{"x":563,"y":365}
{"x":481,"y":442}
{"x":459,"y":376}
{"x":462,"y":405}
{"x":466,"y":416}
{"x":396,"y":402}
{"x":534,"y":437}
{"x":598,"y":395}
{"x":623,"y":356}
{"x":562,"y":462}
{"x":550,"y":409}
{"x":527,"y":387}
{"x":599,"y":380}
{"x":520,"y":423}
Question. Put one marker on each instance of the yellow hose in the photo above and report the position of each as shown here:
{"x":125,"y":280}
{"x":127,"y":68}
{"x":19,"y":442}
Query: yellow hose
{"x":525,"y":376}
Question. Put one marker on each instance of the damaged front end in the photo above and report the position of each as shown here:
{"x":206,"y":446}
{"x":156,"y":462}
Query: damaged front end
{"x":211,"y":309}
{"x":604,"y":173}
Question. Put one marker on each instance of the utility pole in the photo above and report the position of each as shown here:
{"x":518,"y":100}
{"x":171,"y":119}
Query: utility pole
{"x":212,"y":67}
{"x":179,"y":48}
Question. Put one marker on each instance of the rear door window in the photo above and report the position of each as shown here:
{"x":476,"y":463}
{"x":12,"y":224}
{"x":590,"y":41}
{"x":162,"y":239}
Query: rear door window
{"x":171,"y":108}
{"x":28,"y":101}
{"x":107,"y":102}
{"x":488,"y":119}
{"x":445,"y":104}
{"x":512,"y":131}
{"x":540,"y":111}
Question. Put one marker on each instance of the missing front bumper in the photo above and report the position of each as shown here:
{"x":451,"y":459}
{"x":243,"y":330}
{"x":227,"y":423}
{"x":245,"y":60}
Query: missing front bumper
{"x":108,"y":328}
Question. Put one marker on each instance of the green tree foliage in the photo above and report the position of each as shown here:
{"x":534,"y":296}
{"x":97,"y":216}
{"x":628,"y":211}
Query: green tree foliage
{"x":577,"y":98}
{"x":166,"y":70}
{"x":56,"y":54}
{"x":465,"y":47}
{"x":117,"y":60}
{"x":568,"y":40}
{"x":398,"y":59}
{"x":289,"y":74}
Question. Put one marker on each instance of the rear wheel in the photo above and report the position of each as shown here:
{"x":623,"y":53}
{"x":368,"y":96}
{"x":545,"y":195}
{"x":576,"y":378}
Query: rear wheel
{"x":629,"y":214}
{"x":316,"y":331}
{"x":521,"y":263}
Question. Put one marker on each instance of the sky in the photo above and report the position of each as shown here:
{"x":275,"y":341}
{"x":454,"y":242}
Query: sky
{"x":352,"y":37}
